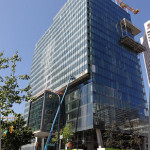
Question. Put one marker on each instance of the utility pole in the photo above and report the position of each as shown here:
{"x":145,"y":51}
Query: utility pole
{"x":58,"y":126}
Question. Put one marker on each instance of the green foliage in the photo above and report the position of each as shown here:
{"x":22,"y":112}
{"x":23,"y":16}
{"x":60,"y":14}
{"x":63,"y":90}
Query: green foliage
{"x":117,"y":138}
{"x":54,"y":139}
{"x":67,"y":133}
{"x":20,"y":135}
{"x":10,"y":92}
{"x":113,"y":137}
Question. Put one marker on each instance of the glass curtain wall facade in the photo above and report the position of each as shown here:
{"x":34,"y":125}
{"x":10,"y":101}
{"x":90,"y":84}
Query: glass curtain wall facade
{"x":79,"y":106}
{"x":145,"y":40}
{"x":26,"y":112}
{"x":85,"y":37}
{"x":36,"y":113}
{"x":62,"y":50}
{"x":118,"y":93}
{"x":43,"y":110}
{"x":115,"y":92}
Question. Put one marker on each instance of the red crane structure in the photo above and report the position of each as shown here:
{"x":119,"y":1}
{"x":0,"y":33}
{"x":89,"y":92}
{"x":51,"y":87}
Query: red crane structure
{"x":123,"y":6}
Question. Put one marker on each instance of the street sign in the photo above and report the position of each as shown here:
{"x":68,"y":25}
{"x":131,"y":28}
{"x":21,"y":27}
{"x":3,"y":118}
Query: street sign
{"x":61,"y":137}
{"x":51,"y":144}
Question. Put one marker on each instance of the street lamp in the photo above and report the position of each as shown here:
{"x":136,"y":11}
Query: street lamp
{"x":58,"y":110}
{"x":58,"y":126}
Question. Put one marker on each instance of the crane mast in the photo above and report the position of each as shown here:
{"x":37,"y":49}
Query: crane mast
{"x":123,"y":5}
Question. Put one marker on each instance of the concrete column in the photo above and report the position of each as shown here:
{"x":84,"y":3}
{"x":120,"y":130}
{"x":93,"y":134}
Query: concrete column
{"x":59,"y":144}
{"x":145,"y":144}
{"x":42,"y":143}
{"x":36,"y":139}
{"x":89,"y":146}
{"x":99,"y":138}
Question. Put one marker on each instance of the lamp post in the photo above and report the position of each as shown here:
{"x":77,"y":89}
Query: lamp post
{"x":58,"y":126}
{"x":49,"y":137}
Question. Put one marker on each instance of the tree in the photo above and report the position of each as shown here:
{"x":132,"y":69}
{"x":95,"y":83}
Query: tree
{"x":135,"y":140}
{"x":17,"y":134}
{"x":10,"y":91}
{"x":114,"y":137}
{"x":67,"y":133}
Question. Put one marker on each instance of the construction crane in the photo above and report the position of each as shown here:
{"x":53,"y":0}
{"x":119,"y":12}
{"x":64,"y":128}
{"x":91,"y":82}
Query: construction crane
{"x":123,"y":5}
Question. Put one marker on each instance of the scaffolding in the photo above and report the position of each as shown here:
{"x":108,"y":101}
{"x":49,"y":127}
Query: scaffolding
{"x":128,"y":28}
{"x":132,"y":45}
{"x":125,"y":25}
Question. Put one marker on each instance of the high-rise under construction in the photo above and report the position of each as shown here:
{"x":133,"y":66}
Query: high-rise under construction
{"x":92,"y":40}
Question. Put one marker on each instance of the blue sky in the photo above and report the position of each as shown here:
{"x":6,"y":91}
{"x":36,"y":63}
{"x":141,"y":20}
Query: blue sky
{"x":23,"y":22}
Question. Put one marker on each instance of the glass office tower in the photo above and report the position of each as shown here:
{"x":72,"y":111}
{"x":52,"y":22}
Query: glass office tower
{"x":62,"y":50}
{"x":145,"y":40}
{"x":93,"y":40}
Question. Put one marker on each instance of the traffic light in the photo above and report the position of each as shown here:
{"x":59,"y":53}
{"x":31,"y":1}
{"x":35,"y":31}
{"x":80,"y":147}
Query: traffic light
{"x":11,"y":129}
